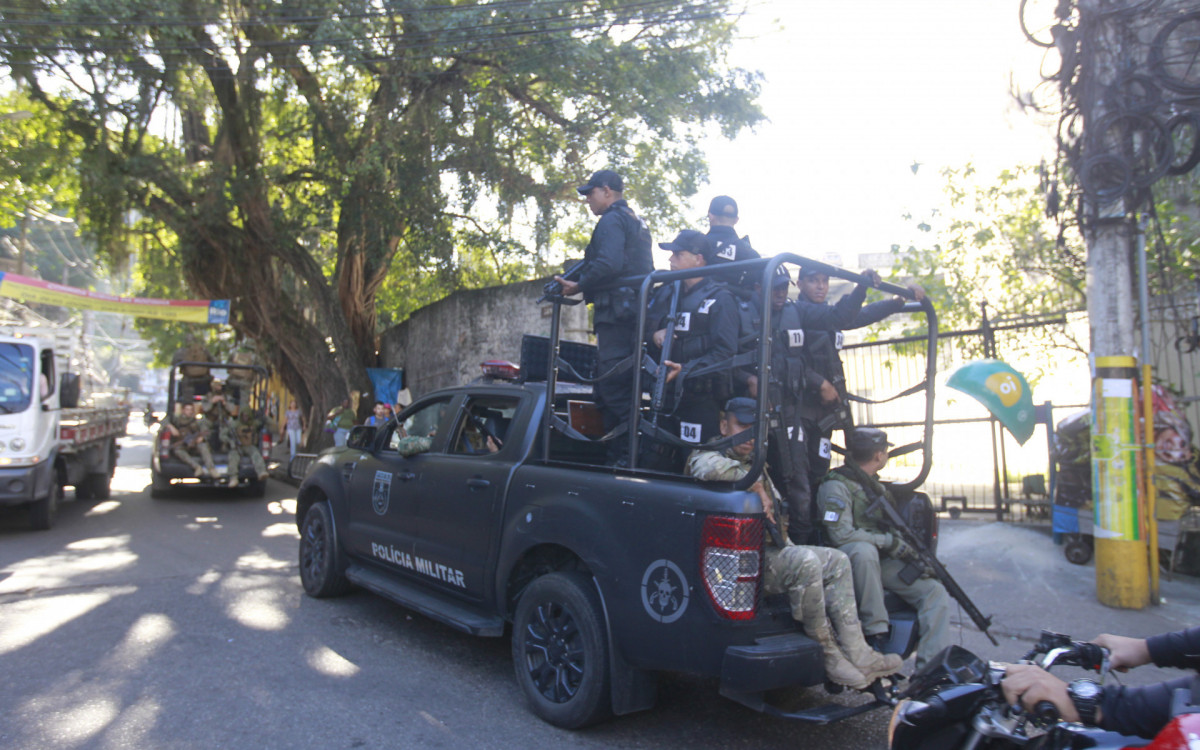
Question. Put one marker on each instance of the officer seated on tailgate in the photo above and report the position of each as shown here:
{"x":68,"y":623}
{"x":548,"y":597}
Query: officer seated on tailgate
{"x":880,"y":559}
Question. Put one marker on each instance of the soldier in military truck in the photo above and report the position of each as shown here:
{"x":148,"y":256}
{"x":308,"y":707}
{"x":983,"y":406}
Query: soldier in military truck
{"x":188,"y":435}
{"x":817,"y":580}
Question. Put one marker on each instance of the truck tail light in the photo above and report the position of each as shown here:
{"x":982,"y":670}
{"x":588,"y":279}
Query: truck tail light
{"x":266,"y":444}
{"x":164,"y":443}
{"x":731,"y":564}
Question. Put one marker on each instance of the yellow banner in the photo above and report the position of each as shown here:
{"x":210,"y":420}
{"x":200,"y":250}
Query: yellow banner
{"x":207,"y":311}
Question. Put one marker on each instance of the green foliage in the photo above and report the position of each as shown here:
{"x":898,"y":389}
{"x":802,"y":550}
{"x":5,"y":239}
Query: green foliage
{"x":329,"y":167}
{"x":992,"y":243}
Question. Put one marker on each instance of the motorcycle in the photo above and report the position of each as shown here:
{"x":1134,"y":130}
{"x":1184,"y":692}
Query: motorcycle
{"x":955,"y":703}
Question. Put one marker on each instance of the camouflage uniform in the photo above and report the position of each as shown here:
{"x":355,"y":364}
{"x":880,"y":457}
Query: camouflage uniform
{"x":817,"y":580}
{"x":856,"y":532}
{"x":191,"y":430}
{"x":412,"y":445}
{"x":243,"y":440}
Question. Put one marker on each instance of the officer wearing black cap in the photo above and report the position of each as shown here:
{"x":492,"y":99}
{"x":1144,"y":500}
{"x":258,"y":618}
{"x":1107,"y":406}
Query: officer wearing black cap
{"x":705,"y":336}
{"x":880,"y":559}
{"x":619,"y":247}
{"x":788,"y":456}
{"x":825,"y":408}
{"x":729,"y":248}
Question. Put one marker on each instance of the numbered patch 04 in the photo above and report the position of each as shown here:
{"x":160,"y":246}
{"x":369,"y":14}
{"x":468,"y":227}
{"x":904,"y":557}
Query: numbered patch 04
{"x":689,"y":431}
{"x":684,"y":323}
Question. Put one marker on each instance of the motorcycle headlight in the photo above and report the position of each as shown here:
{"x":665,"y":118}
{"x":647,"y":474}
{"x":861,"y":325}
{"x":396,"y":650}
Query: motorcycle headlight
{"x":17,"y":444}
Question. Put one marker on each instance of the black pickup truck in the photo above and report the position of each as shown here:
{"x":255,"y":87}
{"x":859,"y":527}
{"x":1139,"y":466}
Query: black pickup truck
{"x":606,"y":575}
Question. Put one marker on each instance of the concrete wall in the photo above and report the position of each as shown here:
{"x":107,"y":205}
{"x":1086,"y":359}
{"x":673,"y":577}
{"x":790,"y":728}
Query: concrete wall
{"x":443,"y":344}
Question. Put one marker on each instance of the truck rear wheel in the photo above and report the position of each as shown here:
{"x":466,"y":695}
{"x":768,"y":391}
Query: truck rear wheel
{"x":560,"y":651}
{"x":43,"y":512}
{"x":159,"y":486}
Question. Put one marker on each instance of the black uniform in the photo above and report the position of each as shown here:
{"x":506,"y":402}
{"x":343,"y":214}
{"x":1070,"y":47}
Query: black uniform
{"x":620,"y":247}
{"x":706,"y":334}
{"x":1144,"y":710}
{"x":822,"y":351}
{"x":731,"y":248}
{"x":787,"y":457}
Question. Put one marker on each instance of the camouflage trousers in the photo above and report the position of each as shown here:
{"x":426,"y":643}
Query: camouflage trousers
{"x":818,"y":583}
{"x":235,"y":460}
{"x":201,"y":451}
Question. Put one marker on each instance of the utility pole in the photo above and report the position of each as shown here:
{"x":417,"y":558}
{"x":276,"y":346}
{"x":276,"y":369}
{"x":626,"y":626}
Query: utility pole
{"x":1122,"y":566}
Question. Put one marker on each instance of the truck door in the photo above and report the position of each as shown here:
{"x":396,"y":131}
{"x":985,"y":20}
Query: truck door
{"x":458,"y":522}
{"x":385,"y":485}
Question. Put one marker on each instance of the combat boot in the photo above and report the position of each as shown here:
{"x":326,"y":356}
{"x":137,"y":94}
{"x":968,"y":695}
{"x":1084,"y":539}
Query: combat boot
{"x":867,"y":660}
{"x":838,"y":668}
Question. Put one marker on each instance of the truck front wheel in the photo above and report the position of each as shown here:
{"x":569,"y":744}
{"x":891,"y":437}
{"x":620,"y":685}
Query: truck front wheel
{"x":322,"y":565}
{"x":43,"y":512}
{"x":560,"y":651}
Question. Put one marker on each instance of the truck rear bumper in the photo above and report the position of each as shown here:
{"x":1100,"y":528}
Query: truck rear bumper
{"x":777,"y":661}
{"x":24,"y":484}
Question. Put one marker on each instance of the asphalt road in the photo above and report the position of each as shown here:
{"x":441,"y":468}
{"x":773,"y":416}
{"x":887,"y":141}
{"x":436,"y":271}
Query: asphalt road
{"x":181,"y":623}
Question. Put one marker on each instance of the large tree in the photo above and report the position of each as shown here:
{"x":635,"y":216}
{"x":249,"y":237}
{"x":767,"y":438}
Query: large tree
{"x":287,"y":155}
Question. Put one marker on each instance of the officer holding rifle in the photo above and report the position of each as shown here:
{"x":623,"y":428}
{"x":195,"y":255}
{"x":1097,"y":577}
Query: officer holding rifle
{"x":879,"y":556}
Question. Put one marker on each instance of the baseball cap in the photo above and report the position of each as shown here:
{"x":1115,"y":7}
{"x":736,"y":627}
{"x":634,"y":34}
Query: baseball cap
{"x":604,"y":178}
{"x":781,"y":277}
{"x":744,"y":409}
{"x":867,"y":438}
{"x":806,"y":271}
{"x":692,"y":241}
{"x":723,"y":205}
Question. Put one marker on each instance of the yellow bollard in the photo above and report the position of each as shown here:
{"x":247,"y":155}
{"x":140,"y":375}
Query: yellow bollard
{"x":1122,"y":569}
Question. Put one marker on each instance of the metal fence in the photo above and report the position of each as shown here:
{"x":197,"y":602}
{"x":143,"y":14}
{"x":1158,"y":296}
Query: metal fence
{"x":977,"y":465}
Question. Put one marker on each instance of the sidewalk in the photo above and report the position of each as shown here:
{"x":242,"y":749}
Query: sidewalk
{"x":1016,"y":574}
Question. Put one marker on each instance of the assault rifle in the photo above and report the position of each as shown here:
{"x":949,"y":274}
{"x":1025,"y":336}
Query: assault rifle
{"x":930,"y":561}
{"x":659,"y":395}
{"x":188,"y":441}
{"x":553,"y":289}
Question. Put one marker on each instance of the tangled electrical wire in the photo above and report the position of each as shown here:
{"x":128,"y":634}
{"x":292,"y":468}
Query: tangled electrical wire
{"x":1133,"y":68}
{"x":1138,"y":63}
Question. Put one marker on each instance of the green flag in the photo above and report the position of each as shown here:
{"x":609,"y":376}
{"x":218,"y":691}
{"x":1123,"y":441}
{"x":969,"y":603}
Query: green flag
{"x":1002,"y":390}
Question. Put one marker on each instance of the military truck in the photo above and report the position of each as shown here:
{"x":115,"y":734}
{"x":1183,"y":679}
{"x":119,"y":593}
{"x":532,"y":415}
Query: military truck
{"x":508,"y":516}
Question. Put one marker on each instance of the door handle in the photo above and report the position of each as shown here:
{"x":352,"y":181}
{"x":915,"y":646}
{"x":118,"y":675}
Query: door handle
{"x":478,"y":483}
{"x":406,"y":476}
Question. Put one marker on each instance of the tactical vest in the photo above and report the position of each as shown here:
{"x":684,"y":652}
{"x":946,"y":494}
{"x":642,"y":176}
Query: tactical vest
{"x":859,"y":504}
{"x":787,"y":356}
{"x":822,"y":354}
{"x":693,"y":329}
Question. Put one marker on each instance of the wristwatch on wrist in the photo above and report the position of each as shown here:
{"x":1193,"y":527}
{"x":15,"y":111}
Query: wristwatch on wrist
{"x":1086,"y":695}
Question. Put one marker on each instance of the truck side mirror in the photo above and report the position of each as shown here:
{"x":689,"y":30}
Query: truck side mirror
{"x":68,"y":393}
{"x":361,"y":436}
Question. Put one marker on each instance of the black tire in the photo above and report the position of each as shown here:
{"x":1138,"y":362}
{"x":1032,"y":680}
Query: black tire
{"x":43,"y":512}
{"x":560,"y":651}
{"x":1077,"y":549}
{"x":102,"y":486}
{"x":955,"y":512}
{"x":83,"y":490}
{"x":322,"y":564}
{"x":1175,"y":54}
{"x":159,"y":486}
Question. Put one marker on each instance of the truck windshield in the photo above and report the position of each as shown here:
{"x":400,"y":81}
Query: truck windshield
{"x":16,"y":377}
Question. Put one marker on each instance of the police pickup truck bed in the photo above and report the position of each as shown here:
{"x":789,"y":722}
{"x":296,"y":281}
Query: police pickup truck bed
{"x":607,"y":576}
